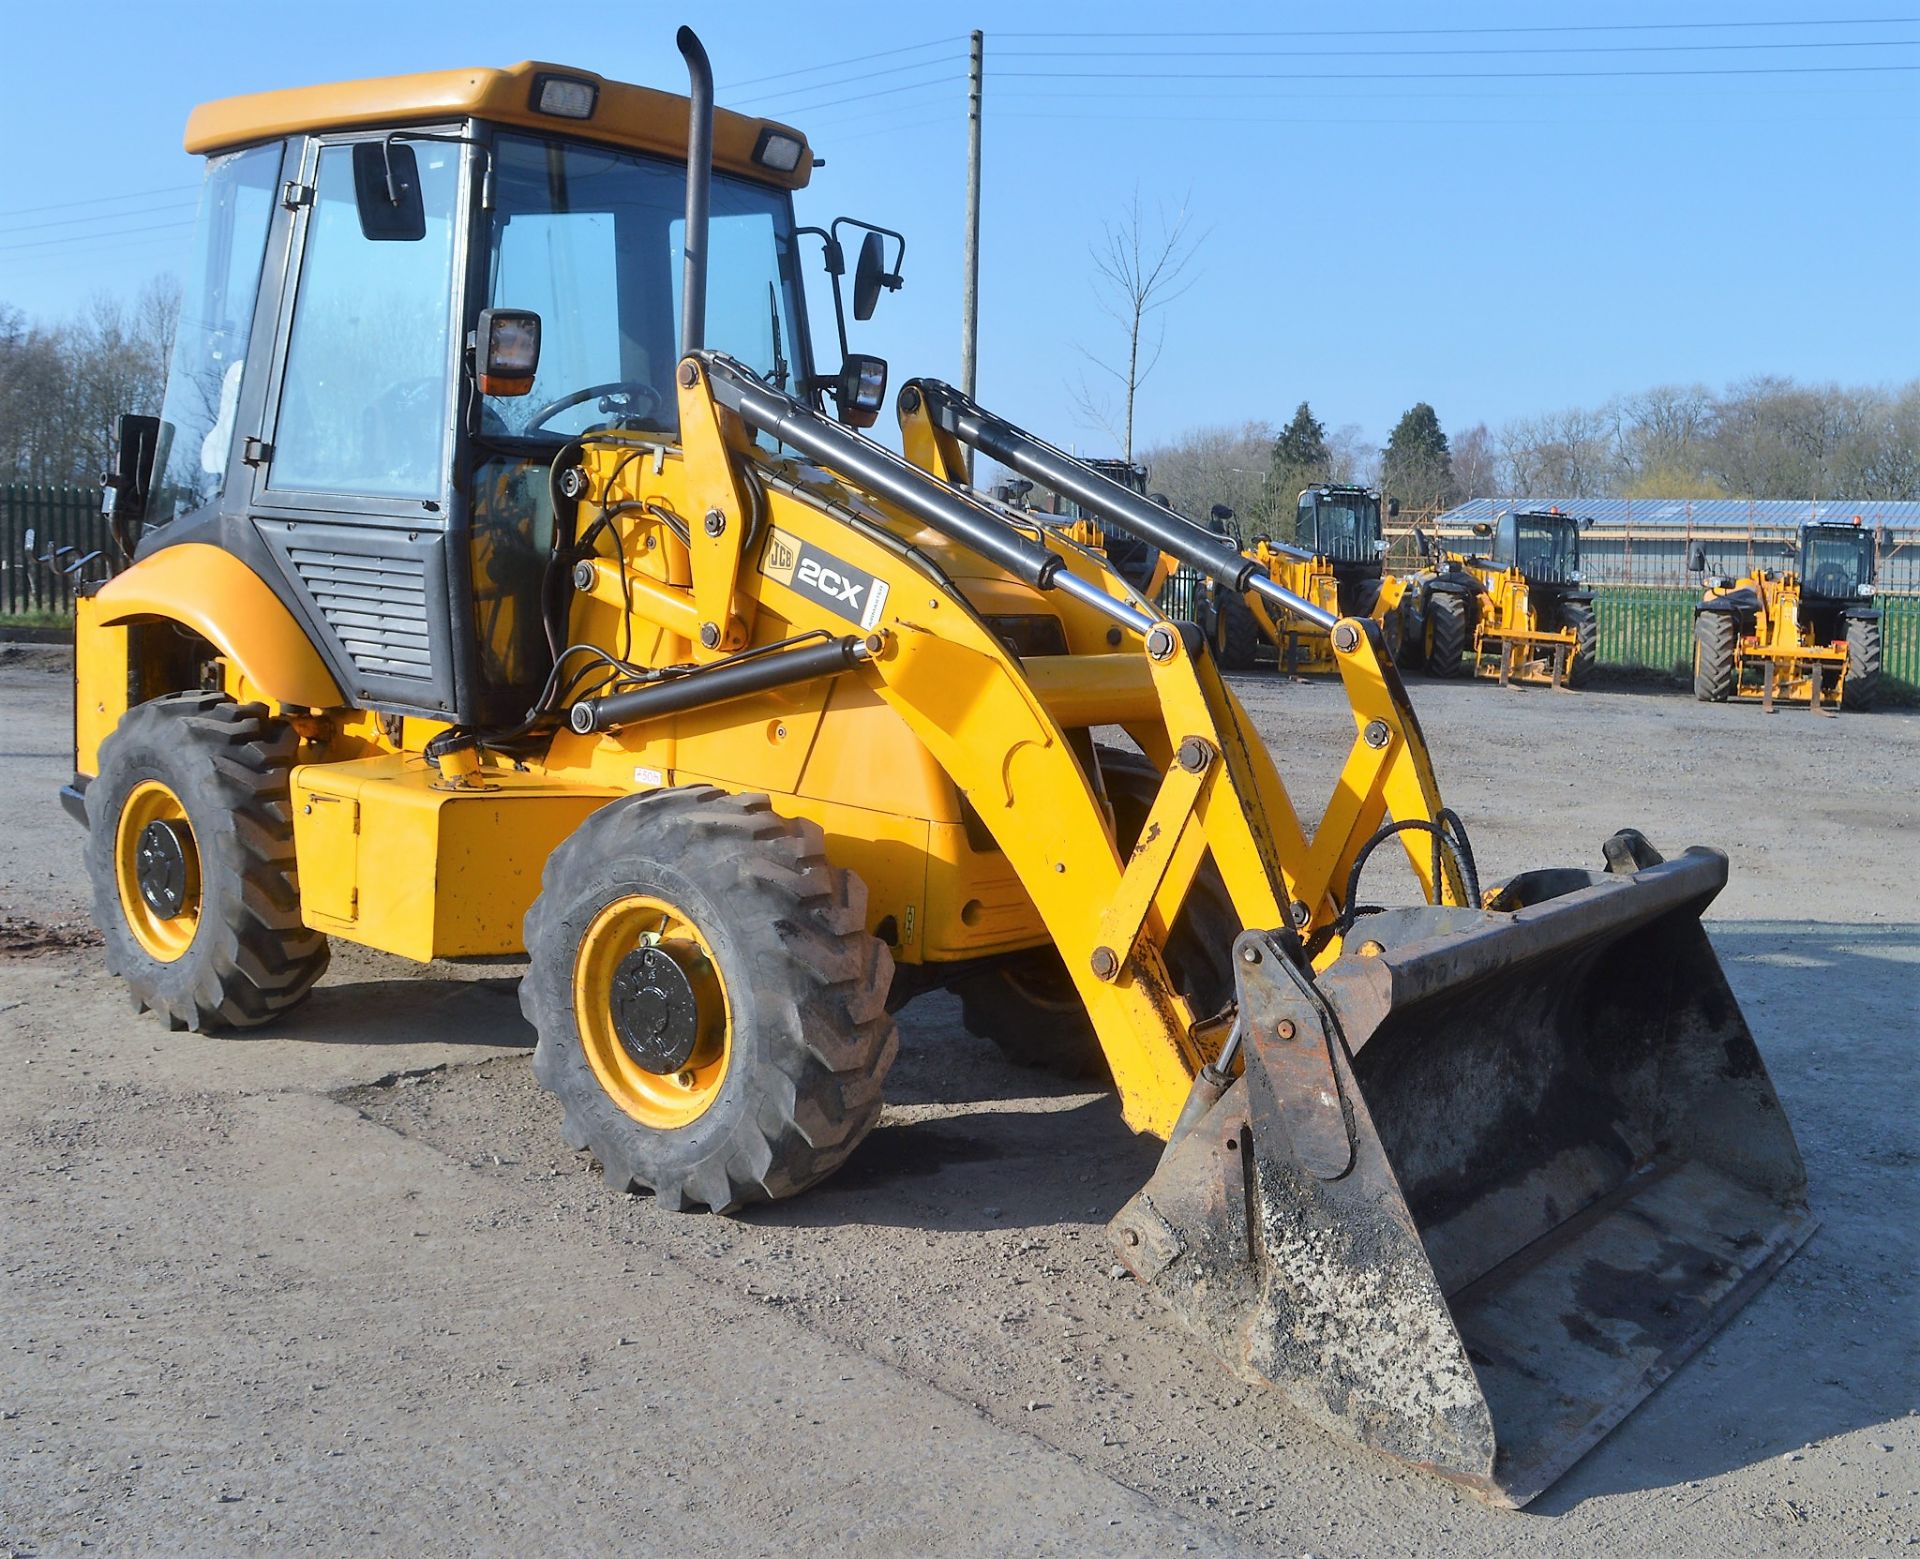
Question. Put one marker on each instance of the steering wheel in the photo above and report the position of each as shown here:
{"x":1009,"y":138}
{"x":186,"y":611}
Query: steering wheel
{"x":633,"y":389}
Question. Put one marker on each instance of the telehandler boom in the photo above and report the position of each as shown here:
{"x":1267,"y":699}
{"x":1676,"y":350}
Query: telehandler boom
{"x":505,"y":579}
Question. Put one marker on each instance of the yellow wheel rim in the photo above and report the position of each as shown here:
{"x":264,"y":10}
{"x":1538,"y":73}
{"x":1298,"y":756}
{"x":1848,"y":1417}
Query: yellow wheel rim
{"x":156,"y":867}
{"x":661,"y":1099}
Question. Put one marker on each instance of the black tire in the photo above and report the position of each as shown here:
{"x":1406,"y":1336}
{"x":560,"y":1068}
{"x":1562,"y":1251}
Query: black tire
{"x":1862,"y":686}
{"x":1029,"y":1008}
{"x":1716,"y":636}
{"x":1449,"y":629}
{"x":1234,"y":631}
{"x":1578,"y":615}
{"x":250,"y":957}
{"x":1406,"y":637}
{"x":809,"y":1040}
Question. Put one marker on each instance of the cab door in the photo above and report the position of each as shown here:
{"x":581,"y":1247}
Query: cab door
{"x":351,"y":490}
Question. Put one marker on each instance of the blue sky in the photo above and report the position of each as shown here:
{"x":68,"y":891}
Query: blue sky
{"x":1489,"y":232}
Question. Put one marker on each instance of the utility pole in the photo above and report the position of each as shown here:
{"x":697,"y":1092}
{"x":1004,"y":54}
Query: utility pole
{"x":970,"y":279}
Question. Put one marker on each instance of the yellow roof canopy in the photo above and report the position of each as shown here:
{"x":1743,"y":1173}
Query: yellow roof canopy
{"x":622,"y":114}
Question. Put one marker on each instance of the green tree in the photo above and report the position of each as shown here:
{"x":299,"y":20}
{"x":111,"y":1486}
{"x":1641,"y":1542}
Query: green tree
{"x":1302,"y":444}
{"x":1417,"y":467}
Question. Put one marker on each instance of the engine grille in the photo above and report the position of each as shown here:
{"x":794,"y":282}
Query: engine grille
{"x":377,"y":606}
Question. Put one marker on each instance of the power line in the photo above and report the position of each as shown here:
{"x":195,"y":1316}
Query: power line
{"x":858,"y":59}
{"x":861,"y":97}
{"x":97,"y":200}
{"x":88,"y":238}
{"x":1370,"y":53}
{"x":1454,"y":75}
{"x":1462,"y":32}
{"x":101,"y":216}
{"x":846,"y":81}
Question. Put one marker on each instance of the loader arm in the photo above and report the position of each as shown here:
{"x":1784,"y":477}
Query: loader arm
{"x":998,"y":732}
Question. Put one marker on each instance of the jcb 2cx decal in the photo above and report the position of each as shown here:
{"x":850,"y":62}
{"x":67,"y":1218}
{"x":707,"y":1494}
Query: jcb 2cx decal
{"x":851,"y":592}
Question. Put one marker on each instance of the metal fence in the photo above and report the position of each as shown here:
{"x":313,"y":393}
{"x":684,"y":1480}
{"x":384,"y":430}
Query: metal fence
{"x":1650,"y":628}
{"x":36,"y":521}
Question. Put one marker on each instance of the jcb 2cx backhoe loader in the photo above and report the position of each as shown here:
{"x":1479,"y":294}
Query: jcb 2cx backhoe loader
{"x":1808,"y":634}
{"x":462,"y":569}
{"x":1337,"y":560}
{"x":1519,"y":613}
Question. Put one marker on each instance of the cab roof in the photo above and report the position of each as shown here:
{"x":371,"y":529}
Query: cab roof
{"x":622,"y":115}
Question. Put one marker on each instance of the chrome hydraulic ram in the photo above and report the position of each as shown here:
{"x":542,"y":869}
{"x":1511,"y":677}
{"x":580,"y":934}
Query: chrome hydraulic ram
{"x":948,"y":510}
{"x":1107,"y":500}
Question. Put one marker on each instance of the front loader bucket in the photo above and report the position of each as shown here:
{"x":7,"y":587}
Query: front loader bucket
{"x":1485,"y":1181}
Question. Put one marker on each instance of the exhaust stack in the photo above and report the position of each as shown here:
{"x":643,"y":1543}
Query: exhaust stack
{"x":693,"y":286}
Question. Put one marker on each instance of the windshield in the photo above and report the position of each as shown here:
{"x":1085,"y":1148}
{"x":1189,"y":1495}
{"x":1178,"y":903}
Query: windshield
{"x":1344,"y":527}
{"x":1836,"y":563}
{"x":1547,"y":550}
{"x":591,"y":241}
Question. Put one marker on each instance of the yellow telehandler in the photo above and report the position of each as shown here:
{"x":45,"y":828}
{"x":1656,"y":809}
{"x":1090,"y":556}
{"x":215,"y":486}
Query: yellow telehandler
{"x":1336,"y":560}
{"x":1519,"y":612}
{"x":1808,"y":634}
{"x":505,"y":578}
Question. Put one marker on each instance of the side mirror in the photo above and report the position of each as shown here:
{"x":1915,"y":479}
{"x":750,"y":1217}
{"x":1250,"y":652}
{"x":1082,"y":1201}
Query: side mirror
{"x":1222,"y":512}
{"x":869,"y":272}
{"x":125,"y":487}
{"x":1482,"y":528}
{"x":1697,"y":564}
{"x":386,"y":190}
{"x":1421,"y":543}
{"x":860,"y":390}
{"x":1393,"y":508}
{"x":506,"y":348}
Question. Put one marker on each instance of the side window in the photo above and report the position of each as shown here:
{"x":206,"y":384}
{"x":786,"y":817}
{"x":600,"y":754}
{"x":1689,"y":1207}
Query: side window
{"x":210,"y":342}
{"x":363,"y":404}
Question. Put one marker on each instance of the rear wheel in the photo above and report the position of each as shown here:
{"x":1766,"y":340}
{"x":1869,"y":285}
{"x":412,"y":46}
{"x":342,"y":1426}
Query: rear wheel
{"x":1578,"y":615}
{"x":711,"y":1009}
{"x":190,"y":852}
{"x":1447,"y":634}
{"x":1029,"y":1006}
{"x":1234,"y":631}
{"x":1715,"y":637}
{"x":1862,"y":685}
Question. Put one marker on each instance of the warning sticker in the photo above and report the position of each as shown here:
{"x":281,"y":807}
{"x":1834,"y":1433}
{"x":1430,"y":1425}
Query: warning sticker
{"x":849,"y":592}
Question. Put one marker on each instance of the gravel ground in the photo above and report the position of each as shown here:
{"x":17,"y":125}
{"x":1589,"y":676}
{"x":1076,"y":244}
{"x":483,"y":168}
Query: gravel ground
{"x":338,"y":1285}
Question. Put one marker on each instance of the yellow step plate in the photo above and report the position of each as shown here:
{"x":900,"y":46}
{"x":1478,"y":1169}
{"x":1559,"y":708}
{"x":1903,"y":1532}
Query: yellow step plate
{"x":395,"y":857}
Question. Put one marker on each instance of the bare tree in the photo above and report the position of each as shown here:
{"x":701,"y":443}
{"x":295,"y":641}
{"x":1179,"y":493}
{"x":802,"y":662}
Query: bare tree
{"x":1138,"y":271}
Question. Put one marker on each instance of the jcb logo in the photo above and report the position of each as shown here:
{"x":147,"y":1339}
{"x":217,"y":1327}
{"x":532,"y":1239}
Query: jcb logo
{"x":830,"y":582}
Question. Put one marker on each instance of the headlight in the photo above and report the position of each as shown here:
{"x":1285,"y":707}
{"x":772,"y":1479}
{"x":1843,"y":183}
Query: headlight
{"x":565,"y":97}
{"x":1866,"y":590}
{"x":1576,"y":576}
{"x":778,"y":151}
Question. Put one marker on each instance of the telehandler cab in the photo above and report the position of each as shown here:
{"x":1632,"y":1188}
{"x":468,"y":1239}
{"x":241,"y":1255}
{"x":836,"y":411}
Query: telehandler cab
{"x":1337,"y":560}
{"x":1519,"y":612}
{"x":506,"y":577}
{"x":1808,"y":634}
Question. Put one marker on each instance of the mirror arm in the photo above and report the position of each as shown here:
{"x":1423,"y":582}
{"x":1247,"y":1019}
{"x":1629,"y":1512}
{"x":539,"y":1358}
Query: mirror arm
{"x":833,"y":260}
{"x":486,"y":160}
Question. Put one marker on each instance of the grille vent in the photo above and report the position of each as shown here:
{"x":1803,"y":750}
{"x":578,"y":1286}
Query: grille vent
{"x":376,"y":606}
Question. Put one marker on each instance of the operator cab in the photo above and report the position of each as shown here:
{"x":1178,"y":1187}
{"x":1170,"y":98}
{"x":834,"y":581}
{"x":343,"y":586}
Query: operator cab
{"x":1543,"y":544}
{"x":1342,"y":525}
{"x":408,"y":298}
{"x":1836,"y":562}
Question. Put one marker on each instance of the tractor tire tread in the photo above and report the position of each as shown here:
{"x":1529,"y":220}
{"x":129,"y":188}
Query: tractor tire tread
{"x":795,"y":945}
{"x":252,"y":957}
{"x":1716,"y":637}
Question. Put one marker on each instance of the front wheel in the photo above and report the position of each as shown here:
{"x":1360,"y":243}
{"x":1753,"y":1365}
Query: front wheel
{"x":711,"y":1008}
{"x":190,"y":852}
{"x":1234,"y":631}
{"x":1578,"y":615}
{"x":1448,"y":628}
{"x":1715,"y":639}
{"x":1862,"y":684}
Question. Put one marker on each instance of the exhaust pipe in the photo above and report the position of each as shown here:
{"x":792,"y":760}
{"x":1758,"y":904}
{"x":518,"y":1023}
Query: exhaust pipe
{"x":693,"y":286}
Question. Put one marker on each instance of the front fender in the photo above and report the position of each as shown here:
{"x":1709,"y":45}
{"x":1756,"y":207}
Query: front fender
{"x":216,"y":595}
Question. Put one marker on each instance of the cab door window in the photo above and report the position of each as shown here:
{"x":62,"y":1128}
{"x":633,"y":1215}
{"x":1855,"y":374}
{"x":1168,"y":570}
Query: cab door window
{"x":365,"y":393}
